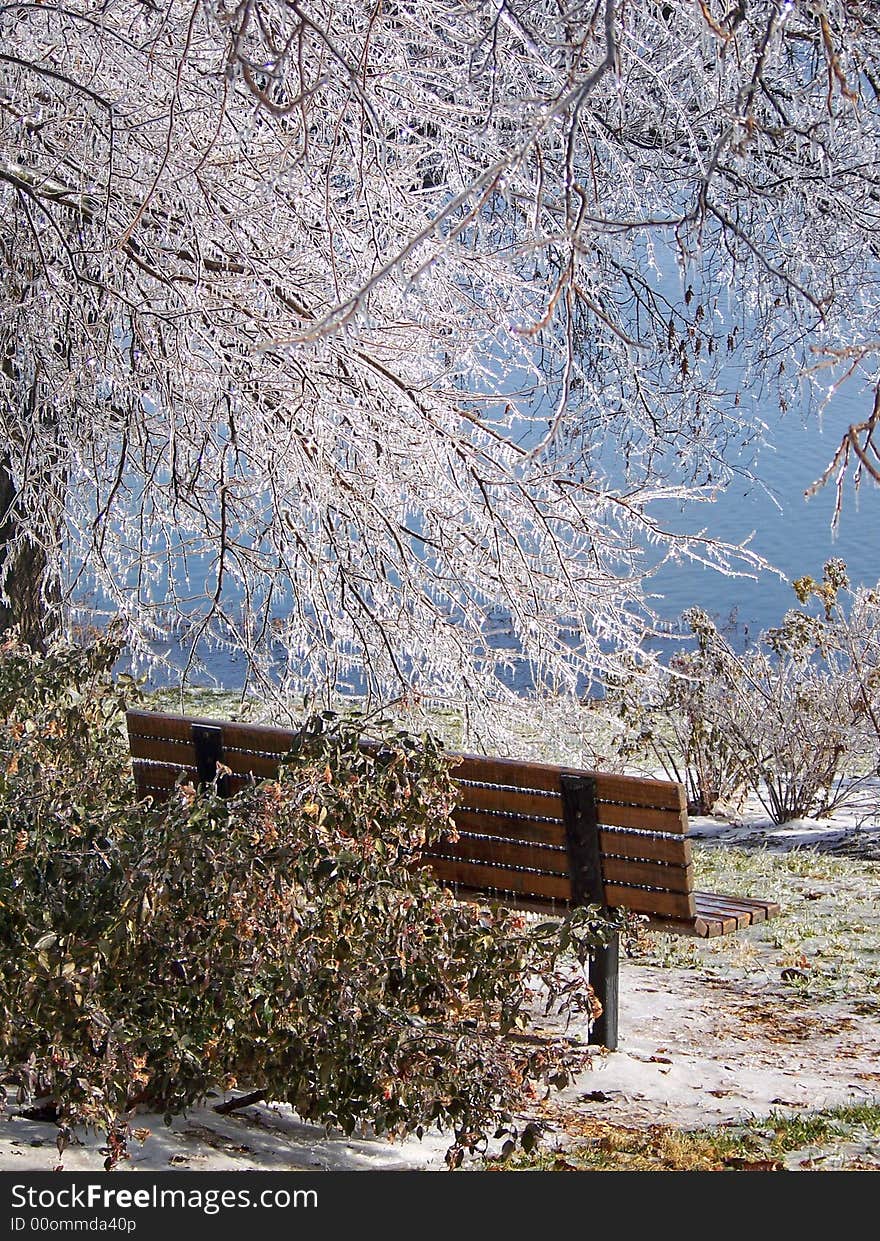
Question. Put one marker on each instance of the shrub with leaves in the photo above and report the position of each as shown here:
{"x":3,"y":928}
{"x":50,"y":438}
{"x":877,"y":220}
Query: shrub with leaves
{"x":285,"y":939}
{"x":848,"y":631}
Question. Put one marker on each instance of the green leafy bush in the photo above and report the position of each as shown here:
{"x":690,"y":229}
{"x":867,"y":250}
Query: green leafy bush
{"x":284,"y":939}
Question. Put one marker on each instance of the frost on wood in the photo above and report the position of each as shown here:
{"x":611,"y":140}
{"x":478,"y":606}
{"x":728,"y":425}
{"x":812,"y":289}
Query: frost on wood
{"x":338,"y":332}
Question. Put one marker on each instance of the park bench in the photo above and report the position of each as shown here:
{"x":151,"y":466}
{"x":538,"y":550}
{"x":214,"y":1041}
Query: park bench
{"x":530,"y":835}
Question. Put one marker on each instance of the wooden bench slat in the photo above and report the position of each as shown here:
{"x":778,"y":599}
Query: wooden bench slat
{"x":654,"y":848}
{"x":671,"y":878}
{"x":720,"y":907}
{"x":657,"y":794}
{"x":758,"y":910}
{"x":183,"y":753}
{"x":529,"y":855}
{"x":151,"y":724}
{"x":257,"y":737}
{"x":496,"y":852}
{"x":546,"y":805}
{"x":163,"y":749}
{"x":514,"y":900}
{"x":645,"y":901}
{"x":646,"y":819}
{"x":700,"y":926}
{"x":730,"y":921}
{"x":162,"y":777}
{"x":709,"y":920}
{"x":627,"y":844}
{"x":499,"y":878}
{"x":704,"y":926}
{"x":484,"y":823}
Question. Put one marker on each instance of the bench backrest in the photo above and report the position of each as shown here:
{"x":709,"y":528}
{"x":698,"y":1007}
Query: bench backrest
{"x":531,"y":834}
{"x":516,"y":835}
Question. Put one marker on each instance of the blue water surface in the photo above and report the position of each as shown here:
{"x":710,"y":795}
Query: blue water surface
{"x":793,"y":533}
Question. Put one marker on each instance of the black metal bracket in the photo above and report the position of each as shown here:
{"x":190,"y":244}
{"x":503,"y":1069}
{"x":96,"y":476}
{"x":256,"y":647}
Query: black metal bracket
{"x":582,"y":839}
{"x":208,"y":745}
{"x":588,"y":888}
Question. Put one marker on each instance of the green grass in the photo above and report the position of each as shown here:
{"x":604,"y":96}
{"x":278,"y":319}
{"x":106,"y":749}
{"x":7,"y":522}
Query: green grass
{"x":824,"y":945}
{"x":837,"y":1139}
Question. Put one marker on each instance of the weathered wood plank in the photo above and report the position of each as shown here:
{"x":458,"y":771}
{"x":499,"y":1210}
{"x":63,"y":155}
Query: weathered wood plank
{"x":675,"y":849}
{"x":529,"y":802}
{"x":156,"y":724}
{"x":499,"y":878}
{"x":644,"y":901}
{"x":707,"y":906}
{"x":659,"y":794}
{"x":547,"y":805}
{"x":512,"y":900}
{"x":503,"y":853}
{"x":257,"y":737}
{"x":720,"y":908}
{"x":698,"y":927}
{"x":165,"y":776}
{"x":485,"y":823}
{"x":182,"y":753}
{"x":648,"y":874}
{"x":761,"y":909}
{"x":643,"y":818}
{"x":628,"y":844}
{"x":163,"y":749}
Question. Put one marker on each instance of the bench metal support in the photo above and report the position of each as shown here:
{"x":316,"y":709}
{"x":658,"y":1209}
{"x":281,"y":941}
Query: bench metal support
{"x":208,"y":745}
{"x":587,"y":888}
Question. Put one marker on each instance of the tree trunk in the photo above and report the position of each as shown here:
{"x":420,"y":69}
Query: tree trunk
{"x":26,"y":607}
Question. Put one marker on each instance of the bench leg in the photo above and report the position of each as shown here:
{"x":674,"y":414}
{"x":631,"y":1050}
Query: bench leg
{"x":588,"y":887}
{"x":604,"y":976}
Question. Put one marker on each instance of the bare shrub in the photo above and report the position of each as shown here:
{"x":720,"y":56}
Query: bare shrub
{"x":795,"y":718}
{"x":671,"y":716}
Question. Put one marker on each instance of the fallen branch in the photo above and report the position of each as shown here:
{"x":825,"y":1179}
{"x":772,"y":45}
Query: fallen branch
{"x":245,"y":1100}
